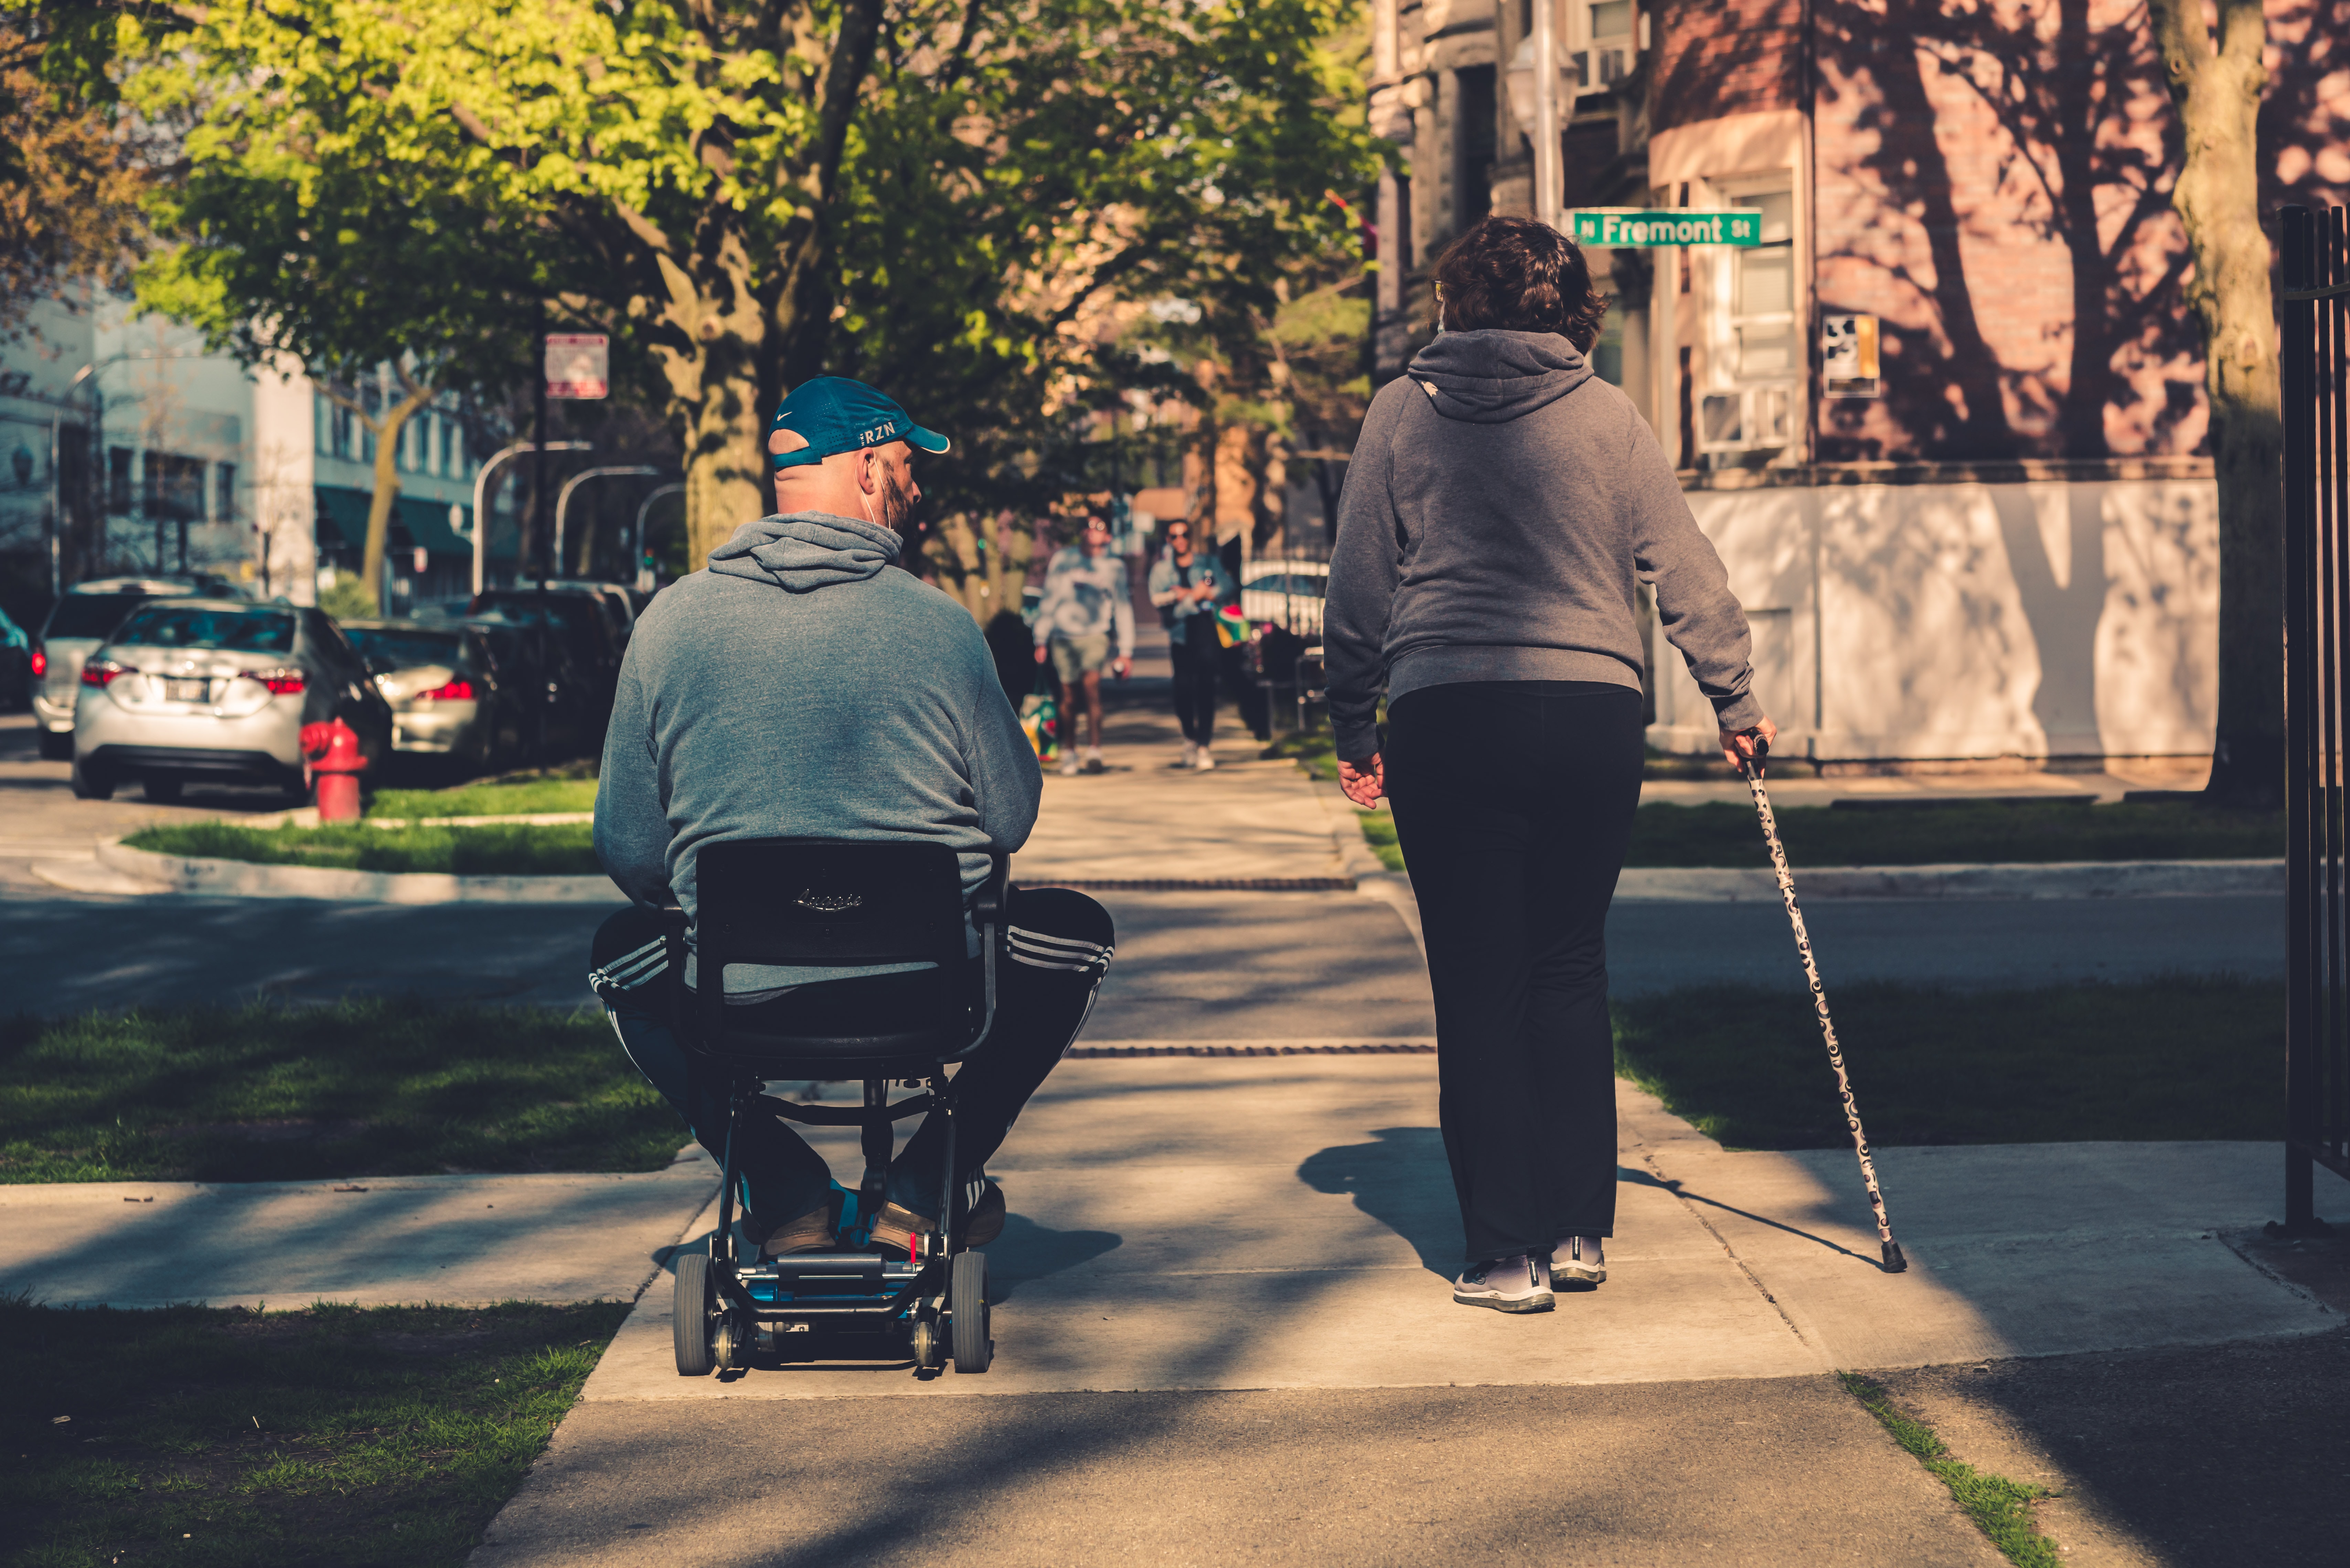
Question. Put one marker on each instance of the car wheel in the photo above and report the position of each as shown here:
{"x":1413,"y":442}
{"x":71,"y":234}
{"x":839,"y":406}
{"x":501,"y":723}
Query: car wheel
{"x":89,"y":783}
{"x":56,"y":745}
{"x":163,"y":789}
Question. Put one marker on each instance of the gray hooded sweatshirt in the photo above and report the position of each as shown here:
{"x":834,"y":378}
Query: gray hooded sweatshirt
{"x":801,"y":688}
{"x":1501,"y":503}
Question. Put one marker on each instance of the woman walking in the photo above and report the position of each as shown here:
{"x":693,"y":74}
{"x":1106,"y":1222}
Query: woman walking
{"x":1189,"y":589}
{"x":1501,"y":503}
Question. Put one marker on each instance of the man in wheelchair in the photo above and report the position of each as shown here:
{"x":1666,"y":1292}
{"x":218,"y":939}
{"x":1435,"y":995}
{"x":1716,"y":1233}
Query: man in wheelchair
{"x":802,"y":689}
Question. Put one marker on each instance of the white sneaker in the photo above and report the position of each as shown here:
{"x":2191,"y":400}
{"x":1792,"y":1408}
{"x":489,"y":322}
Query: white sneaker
{"x":1519,"y":1283}
{"x":1579,"y":1261}
{"x":1190,"y":756}
{"x":1068,"y":768}
{"x":1093,"y":763}
{"x":1205,"y":761}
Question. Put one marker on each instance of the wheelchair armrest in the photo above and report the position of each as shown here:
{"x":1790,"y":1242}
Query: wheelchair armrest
{"x":987,"y":909}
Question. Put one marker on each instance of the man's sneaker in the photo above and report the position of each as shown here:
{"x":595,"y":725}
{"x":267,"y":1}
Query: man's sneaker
{"x":1519,"y":1283}
{"x":1205,"y":760}
{"x":984,"y":1223}
{"x":895,"y":1227}
{"x":1093,"y":764}
{"x":1579,"y":1261}
{"x":1068,"y":768}
{"x":1190,"y":756}
{"x":811,"y":1232}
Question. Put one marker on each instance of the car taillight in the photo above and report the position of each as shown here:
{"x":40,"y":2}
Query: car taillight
{"x":281,"y":682}
{"x":455,"y":691}
{"x":98,"y":671}
{"x":40,"y":663}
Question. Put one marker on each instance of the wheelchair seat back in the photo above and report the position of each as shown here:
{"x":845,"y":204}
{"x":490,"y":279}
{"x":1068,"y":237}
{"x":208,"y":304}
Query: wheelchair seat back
{"x":835,"y":903}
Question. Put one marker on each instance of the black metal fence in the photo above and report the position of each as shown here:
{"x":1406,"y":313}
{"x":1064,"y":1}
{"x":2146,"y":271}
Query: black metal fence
{"x":2315,"y":353}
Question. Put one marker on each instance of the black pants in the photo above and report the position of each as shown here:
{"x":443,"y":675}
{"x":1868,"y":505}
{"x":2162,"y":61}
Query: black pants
{"x":1195,"y":681}
{"x":1514,"y":804}
{"x":1060,"y":948}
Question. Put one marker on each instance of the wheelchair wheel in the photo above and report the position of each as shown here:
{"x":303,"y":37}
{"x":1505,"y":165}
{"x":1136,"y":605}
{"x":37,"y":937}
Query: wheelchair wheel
{"x":926,"y":1345}
{"x":967,"y":1300}
{"x":692,"y":1315}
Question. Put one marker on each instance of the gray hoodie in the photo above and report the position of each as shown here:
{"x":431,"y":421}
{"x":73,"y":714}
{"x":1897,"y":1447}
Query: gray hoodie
{"x":1501,"y":503}
{"x":798,"y":688}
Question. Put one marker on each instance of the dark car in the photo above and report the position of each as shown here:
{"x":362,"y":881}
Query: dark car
{"x":564,"y":704}
{"x":579,"y":620}
{"x":450,"y":696}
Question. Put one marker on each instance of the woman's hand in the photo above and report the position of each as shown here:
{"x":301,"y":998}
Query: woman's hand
{"x":1739,"y":746}
{"x":1364,"y":782}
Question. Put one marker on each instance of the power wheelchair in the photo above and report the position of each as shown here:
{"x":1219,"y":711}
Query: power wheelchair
{"x":813,"y":901}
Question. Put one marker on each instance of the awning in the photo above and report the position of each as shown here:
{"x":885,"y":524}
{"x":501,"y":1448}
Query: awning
{"x":342,"y":524}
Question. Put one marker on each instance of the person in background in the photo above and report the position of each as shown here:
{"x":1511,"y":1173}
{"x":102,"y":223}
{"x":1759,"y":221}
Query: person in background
{"x":1501,"y":505}
{"x":1086,"y":602}
{"x":1189,"y":589}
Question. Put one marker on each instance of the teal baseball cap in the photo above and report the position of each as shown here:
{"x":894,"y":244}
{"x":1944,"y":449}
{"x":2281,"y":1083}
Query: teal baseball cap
{"x":832,"y":414}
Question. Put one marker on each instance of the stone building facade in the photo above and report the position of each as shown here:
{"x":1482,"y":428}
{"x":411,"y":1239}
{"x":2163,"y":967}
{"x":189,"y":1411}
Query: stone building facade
{"x":1996,"y":546}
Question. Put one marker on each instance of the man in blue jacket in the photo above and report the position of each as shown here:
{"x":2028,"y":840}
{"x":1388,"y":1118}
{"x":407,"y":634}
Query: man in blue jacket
{"x":801,"y":687}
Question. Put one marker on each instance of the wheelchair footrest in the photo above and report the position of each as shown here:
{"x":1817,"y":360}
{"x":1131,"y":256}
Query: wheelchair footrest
{"x":830,"y":1283}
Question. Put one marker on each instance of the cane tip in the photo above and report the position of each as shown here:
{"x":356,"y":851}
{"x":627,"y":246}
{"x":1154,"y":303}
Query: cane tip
{"x":1894,"y":1262}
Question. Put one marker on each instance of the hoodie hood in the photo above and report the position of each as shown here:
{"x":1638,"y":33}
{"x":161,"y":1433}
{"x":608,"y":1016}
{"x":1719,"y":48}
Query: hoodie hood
{"x":1493,"y":378}
{"x":801,"y":552}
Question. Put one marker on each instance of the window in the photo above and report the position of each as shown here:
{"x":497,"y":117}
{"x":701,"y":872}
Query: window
{"x":118,"y":479}
{"x":1754,"y":401}
{"x":224,"y":492}
{"x":174,"y":486}
{"x":1610,"y":60}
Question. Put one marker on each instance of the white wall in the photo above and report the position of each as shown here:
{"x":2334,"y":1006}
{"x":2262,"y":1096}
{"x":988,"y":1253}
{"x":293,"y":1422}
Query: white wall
{"x":284,"y":469}
{"x":1969,"y":621}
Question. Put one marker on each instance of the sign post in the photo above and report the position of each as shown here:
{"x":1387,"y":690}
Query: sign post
{"x":1646,"y":228}
{"x":578,"y":366}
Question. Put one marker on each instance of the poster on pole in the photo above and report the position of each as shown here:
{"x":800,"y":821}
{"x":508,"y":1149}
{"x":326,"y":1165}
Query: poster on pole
{"x":578,"y":366}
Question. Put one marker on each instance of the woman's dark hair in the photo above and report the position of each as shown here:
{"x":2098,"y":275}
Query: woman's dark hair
{"x":1514,"y":274}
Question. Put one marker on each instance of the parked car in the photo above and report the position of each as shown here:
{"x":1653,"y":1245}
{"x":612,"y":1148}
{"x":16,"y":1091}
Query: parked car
{"x":563,"y":715}
{"x":450,"y":695}
{"x":80,"y":620}
{"x":215,"y":689}
{"x":1287,"y":593}
{"x":578,"y":620}
{"x":617,"y":603}
{"x":15,"y":665}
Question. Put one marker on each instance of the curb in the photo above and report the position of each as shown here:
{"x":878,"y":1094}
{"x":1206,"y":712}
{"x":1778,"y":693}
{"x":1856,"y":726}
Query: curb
{"x":2058,"y":879}
{"x":248,"y":879}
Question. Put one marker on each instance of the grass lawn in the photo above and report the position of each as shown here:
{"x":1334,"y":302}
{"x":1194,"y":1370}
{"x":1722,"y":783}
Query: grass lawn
{"x":2179,"y":1058}
{"x":528,"y":796}
{"x":334,"y":1434}
{"x":1719,"y":833}
{"x":366,"y":1087}
{"x":506,"y":849}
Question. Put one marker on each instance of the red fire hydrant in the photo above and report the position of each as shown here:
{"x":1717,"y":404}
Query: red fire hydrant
{"x":330,"y":754}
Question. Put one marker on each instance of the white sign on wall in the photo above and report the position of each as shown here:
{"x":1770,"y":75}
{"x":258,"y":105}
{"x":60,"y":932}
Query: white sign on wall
{"x":578,"y":366}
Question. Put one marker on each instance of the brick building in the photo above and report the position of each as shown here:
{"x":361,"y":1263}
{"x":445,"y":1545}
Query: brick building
{"x":1946,"y":422}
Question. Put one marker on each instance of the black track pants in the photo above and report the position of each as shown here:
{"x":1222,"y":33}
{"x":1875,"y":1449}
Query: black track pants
{"x":1060,"y":948}
{"x":1514,"y":804}
{"x":1195,"y":682}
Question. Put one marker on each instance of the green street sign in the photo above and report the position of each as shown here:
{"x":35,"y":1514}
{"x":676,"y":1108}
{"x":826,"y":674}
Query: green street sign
{"x":1634,"y":228}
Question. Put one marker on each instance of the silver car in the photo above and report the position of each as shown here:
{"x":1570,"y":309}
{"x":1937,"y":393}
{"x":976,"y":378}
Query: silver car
{"x":218,"y":689}
{"x":449,"y":697}
{"x":85,"y":617}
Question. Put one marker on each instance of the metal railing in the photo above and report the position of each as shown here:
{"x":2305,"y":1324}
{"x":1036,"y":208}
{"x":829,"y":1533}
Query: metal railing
{"x":2316,"y":352}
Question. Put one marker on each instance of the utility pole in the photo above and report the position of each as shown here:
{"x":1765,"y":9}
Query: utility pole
{"x":1549,"y":190}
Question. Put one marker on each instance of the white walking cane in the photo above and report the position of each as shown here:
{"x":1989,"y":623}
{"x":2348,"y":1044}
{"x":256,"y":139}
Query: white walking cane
{"x":1894,"y":1262}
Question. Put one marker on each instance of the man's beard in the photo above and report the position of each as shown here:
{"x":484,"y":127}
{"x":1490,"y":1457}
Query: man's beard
{"x":895,"y":508}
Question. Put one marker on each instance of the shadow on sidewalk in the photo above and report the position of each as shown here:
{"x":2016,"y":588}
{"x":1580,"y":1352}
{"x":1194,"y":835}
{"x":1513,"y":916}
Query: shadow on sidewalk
{"x":1403,"y":1182}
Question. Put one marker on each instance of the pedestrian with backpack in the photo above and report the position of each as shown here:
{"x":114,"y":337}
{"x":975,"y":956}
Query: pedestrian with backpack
{"x":1189,"y":589}
{"x":1502,"y":506}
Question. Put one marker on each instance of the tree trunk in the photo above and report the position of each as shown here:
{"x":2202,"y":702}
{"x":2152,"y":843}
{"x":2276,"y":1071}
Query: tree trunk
{"x":386,"y":429}
{"x":2217,"y":92}
{"x":981,"y":563}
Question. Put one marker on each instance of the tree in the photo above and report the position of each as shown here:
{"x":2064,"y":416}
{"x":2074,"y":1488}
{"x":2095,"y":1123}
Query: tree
{"x":70,"y":179}
{"x":307,"y":237}
{"x":2216,"y":82}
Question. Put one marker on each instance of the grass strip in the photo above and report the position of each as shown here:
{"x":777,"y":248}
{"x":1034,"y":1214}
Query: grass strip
{"x":523,"y":798}
{"x":2001,"y":1508}
{"x":369,"y":1086}
{"x":2173,"y":1058}
{"x":336,"y":1434}
{"x":1725,"y":834}
{"x":506,"y":849}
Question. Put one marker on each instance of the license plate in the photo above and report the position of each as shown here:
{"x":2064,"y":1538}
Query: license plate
{"x":186,"y":690}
